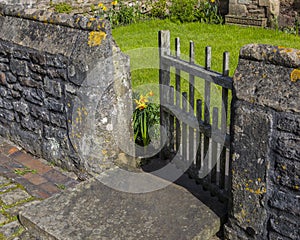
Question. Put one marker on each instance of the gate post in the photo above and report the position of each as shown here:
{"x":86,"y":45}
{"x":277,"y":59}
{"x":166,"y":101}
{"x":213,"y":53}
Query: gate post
{"x":164,"y":83}
{"x":265,"y":145}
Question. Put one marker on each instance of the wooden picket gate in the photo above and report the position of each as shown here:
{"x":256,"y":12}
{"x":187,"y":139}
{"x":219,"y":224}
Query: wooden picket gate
{"x":200,"y":138}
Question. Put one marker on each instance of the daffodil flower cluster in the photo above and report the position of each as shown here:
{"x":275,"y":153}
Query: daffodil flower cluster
{"x":141,"y":103}
{"x":145,"y":116}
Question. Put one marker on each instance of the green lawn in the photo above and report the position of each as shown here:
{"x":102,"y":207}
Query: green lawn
{"x":139,"y":41}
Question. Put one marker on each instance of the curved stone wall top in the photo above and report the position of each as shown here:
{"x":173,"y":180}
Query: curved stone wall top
{"x":72,"y":36}
{"x":277,"y":55}
{"x":67,"y":20}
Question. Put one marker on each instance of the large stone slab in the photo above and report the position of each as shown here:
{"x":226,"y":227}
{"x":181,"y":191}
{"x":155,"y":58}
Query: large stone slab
{"x":95,"y":211}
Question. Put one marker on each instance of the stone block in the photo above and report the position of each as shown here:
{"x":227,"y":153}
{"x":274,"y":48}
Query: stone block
{"x":288,"y":122}
{"x":54,"y":105}
{"x":4,"y":67}
{"x":37,"y":68}
{"x":237,"y":10}
{"x":21,"y":107}
{"x":31,"y":125}
{"x":26,"y":139}
{"x":287,"y":173}
{"x":39,"y":113}
{"x":244,"y":1}
{"x":6,"y":104}
{"x":256,"y":82}
{"x":149,"y":215}
{"x":7,"y":114}
{"x":275,"y":236}
{"x":53,"y":88}
{"x":35,"y":96}
{"x":286,"y":227}
{"x":54,"y":132}
{"x":28,"y":82}
{"x":286,"y":201}
{"x":57,"y":73}
{"x":58,"y":120}
{"x":287,"y":145}
{"x":231,"y":19}
{"x":10,"y":77}
{"x":56,"y":61}
{"x":250,"y":166}
{"x":263,"y":3}
{"x":38,"y":57}
{"x":19,"y":67}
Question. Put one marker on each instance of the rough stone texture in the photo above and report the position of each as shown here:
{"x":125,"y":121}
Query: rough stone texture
{"x":65,"y":88}
{"x":289,"y":11}
{"x":265,"y":145}
{"x":271,"y":69}
{"x":252,"y":12}
{"x":94,"y":211}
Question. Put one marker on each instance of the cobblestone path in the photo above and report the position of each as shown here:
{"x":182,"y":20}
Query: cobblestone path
{"x":25,"y":179}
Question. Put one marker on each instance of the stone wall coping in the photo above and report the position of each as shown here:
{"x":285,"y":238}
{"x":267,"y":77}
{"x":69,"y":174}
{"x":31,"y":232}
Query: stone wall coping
{"x":277,"y":55}
{"x":67,"y":20}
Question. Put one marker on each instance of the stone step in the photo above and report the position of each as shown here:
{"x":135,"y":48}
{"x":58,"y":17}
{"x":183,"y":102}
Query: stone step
{"x":94,"y":211}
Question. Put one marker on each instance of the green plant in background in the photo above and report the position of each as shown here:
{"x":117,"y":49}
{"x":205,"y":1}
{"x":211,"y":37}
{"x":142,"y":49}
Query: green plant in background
{"x":208,"y":12}
{"x":119,"y":13}
{"x":159,"y":9}
{"x":145,"y":117}
{"x":125,"y":14}
{"x":62,"y":7}
{"x":187,"y":11}
{"x":183,"y":10}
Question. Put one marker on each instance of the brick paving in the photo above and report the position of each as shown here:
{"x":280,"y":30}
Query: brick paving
{"x":25,"y":179}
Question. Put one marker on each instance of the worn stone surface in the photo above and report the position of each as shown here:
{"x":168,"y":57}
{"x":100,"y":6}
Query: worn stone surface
{"x":252,"y":12}
{"x":270,"y":70}
{"x":65,"y":94}
{"x":94,"y":211}
{"x":249,"y":167}
{"x":18,"y":188}
{"x":265,"y":145}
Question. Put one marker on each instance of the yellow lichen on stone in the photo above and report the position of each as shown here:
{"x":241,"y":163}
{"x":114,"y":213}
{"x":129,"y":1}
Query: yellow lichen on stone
{"x":95,"y":38}
{"x":295,"y":75}
{"x":288,"y":50}
{"x":283,"y":167}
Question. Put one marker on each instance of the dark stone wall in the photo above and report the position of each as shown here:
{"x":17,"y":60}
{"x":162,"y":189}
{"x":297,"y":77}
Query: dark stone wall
{"x":289,"y":11}
{"x":265,"y":145}
{"x":54,"y":71}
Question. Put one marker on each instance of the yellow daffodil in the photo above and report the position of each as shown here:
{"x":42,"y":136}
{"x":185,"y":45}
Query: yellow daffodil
{"x":141,"y":103}
{"x":100,"y":5}
{"x":212,"y":1}
{"x":114,"y":3}
{"x":104,"y":8}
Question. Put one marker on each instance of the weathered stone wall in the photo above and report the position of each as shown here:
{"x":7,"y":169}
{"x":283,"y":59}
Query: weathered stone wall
{"x":252,"y":12}
{"x":289,"y":11}
{"x":65,"y":88}
{"x":265,"y":145}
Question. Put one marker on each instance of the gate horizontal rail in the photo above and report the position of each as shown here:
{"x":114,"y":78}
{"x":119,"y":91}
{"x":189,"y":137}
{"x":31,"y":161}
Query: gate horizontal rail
{"x":193,"y":127}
